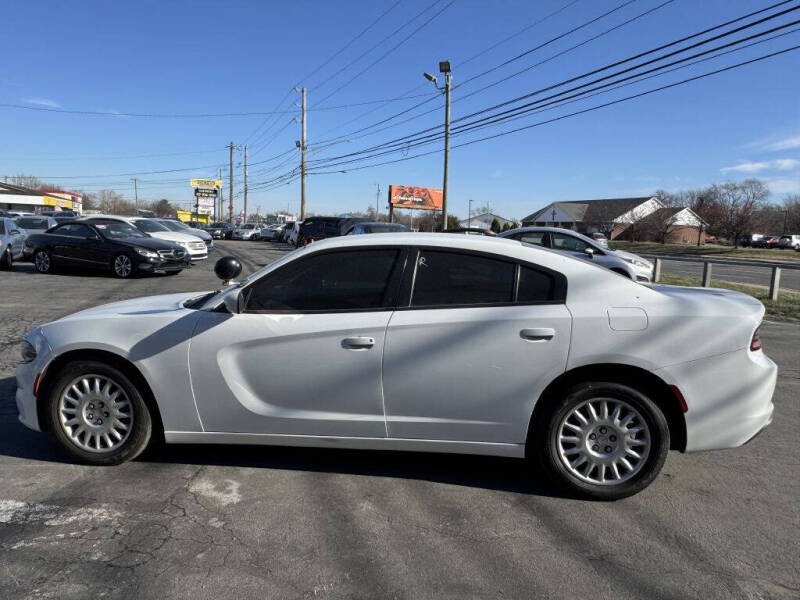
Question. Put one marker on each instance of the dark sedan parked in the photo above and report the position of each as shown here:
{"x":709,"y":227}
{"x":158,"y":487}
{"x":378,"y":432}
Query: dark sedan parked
{"x":220,"y":230}
{"x":104,"y":244}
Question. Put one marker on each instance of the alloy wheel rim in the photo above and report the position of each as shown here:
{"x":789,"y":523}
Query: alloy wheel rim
{"x":95,"y":413}
{"x":42,"y":262}
{"x":603,"y":441}
{"x":122,"y":265}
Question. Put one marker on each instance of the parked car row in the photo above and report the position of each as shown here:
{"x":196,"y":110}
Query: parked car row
{"x":787,"y":241}
{"x":123,"y":245}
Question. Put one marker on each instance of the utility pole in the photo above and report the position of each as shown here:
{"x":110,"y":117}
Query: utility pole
{"x":230,"y":183}
{"x":447,"y":81}
{"x":469,"y":214}
{"x":303,"y":159}
{"x":378,"y":203}
{"x":245,"y":184}
{"x":135,"y":195}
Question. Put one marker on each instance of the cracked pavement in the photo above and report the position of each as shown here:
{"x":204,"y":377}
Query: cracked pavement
{"x":259,"y":522}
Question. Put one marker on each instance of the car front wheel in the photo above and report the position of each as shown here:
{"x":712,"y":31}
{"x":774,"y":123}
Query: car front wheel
{"x":42,"y":261}
{"x":98,"y":414}
{"x":603,"y":440}
{"x":122,"y":266}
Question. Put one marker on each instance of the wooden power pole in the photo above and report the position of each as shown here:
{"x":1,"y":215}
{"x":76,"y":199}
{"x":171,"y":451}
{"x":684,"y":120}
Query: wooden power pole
{"x":230,"y":183}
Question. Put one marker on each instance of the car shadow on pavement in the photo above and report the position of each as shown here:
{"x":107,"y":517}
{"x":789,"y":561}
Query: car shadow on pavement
{"x":18,"y":441}
{"x":489,"y":472}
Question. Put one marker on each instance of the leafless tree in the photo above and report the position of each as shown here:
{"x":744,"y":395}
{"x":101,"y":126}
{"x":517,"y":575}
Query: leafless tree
{"x":661,"y":223}
{"x":791,"y":211}
{"x":739,"y":206}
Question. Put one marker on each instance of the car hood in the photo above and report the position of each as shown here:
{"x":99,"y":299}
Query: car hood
{"x":203,"y":235}
{"x":629,"y":255}
{"x":146,"y":242}
{"x":137,"y":306}
{"x":713,"y":301}
{"x":173,"y":236}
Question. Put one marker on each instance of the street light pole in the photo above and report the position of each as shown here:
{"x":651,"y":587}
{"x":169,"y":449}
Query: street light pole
{"x":135,"y":195}
{"x":444,"y":68}
{"x":447,"y":79}
{"x":469,"y":215}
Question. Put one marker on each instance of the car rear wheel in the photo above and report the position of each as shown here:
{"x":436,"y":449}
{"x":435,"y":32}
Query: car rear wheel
{"x":122,"y":266}
{"x":7,"y":261}
{"x":603,"y":440}
{"x":97,"y":414}
{"x":42,"y":261}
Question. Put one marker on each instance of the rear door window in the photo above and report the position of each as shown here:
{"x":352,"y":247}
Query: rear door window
{"x":445,"y":278}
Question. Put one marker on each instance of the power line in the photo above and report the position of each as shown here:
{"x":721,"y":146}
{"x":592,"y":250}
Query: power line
{"x":405,"y":140}
{"x":576,"y":113}
{"x":392,"y":49}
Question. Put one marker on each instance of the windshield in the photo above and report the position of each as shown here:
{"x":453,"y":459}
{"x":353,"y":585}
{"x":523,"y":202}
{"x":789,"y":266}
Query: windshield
{"x":118,"y":230}
{"x":248,"y":226}
{"x":149,"y":226}
{"x":33,"y":222}
{"x":171,"y":225}
{"x":218,"y":225}
{"x":384,"y":228}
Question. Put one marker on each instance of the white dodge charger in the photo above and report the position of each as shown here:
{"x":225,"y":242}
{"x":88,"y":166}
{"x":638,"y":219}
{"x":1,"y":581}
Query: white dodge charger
{"x":426,"y":342}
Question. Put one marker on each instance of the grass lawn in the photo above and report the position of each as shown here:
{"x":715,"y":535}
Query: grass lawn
{"x":786,"y":306}
{"x":708,"y":250}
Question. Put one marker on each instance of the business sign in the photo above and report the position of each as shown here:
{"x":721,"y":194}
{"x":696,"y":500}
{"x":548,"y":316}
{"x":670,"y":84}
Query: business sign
{"x":418,"y":198}
{"x":205,"y":193}
{"x":205,"y":206}
{"x":206,"y":183}
{"x":56,"y":201}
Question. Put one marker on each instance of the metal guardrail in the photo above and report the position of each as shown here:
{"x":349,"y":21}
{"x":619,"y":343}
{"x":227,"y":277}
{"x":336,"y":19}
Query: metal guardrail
{"x":774,"y":281}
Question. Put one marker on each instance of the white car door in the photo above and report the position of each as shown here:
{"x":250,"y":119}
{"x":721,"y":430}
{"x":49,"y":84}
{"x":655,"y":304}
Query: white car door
{"x":304,"y":356}
{"x":468,"y":356}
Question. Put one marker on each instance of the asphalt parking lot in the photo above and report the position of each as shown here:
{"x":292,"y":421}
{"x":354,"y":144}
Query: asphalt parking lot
{"x":258,"y":522}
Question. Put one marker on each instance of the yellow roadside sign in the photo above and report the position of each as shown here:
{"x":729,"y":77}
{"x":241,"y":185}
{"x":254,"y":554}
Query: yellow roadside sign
{"x":206,"y":183}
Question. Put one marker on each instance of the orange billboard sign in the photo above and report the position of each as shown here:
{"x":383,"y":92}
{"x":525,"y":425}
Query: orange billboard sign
{"x":418,"y":198}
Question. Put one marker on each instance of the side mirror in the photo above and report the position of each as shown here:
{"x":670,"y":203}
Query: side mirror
{"x":589,"y":252}
{"x":228,"y":268}
{"x":15,"y":232}
{"x":234,"y":302}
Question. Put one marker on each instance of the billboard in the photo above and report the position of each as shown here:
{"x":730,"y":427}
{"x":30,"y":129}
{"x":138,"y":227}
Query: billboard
{"x":418,"y":198}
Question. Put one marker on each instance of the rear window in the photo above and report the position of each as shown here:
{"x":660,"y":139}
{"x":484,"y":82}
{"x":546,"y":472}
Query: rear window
{"x":535,"y":286}
{"x":33,"y":223}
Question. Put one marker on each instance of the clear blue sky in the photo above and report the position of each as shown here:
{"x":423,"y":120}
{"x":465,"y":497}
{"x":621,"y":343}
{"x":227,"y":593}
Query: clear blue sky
{"x":215,"y":57}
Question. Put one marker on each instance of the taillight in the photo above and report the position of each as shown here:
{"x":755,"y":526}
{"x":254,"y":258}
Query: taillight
{"x":755,"y":343}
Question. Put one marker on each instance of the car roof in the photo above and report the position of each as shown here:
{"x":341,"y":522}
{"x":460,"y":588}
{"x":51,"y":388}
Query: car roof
{"x":546,"y":229}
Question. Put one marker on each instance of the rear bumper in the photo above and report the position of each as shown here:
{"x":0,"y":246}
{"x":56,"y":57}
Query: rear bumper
{"x":729,"y":397}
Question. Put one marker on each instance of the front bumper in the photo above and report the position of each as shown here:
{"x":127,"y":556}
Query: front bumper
{"x":26,"y":374}
{"x":729,"y":397}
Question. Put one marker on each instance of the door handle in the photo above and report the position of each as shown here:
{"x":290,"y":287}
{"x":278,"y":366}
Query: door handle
{"x":538,"y":334}
{"x":358,"y":343}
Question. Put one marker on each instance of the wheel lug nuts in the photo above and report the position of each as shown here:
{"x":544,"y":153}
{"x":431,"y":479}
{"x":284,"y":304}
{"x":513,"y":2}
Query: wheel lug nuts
{"x":602,"y":430}
{"x":595,"y":447}
{"x":102,"y":405}
{"x":608,"y":448}
{"x":592,"y":436}
{"x":613,"y":438}
{"x":105,"y":414}
{"x":90,"y":416}
{"x":98,"y":422}
{"x":91,"y":406}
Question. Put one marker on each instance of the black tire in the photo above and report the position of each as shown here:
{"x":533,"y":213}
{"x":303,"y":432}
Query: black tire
{"x":42,"y":261}
{"x":7,"y":261}
{"x":118,"y":266}
{"x":546,"y":441}
{"x":141,"y":427}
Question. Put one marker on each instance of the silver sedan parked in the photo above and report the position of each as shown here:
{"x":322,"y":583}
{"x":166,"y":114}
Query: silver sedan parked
{"x":580,"y":246}
{"x":11,"y":240}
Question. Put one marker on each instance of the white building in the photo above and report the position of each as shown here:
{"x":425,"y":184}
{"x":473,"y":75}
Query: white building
{"x":483,"y":221}
{"x":15,"y":198}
